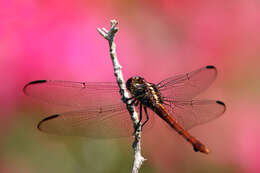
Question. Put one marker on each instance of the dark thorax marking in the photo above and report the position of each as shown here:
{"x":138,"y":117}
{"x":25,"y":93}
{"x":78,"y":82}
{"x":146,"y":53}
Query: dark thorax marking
{"x":153,"y":91}
{"x":145,"y":92}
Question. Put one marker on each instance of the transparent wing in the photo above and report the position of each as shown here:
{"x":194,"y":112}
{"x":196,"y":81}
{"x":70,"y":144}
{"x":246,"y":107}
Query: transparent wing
{"x":104,"y":122}
{"x":195,"y":112}
{"x":101,"y":112}
{"x":76,"y":94}
{"x":189,"y":85}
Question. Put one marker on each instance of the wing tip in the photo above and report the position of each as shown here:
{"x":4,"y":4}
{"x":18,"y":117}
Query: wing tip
{"x":46,"y":119}
{"x":37,"y":81}
{"x":221,"y":103}
{"x":210,"y":67}
{"x":33,"y":82}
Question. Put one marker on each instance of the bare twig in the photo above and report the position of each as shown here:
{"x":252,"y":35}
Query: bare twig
{"x":109,"y":35}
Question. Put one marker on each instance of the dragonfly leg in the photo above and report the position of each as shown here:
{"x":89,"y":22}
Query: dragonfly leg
{"x":126,"y":100}
{"x":140,"y":117}
{"x":140,"y":114}
{"x":147,"y":116}
{"x":133,"y":102}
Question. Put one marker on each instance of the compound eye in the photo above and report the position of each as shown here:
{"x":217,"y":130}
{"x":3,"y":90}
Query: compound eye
{"x":138,"y":78}
{"x":141,"y":80}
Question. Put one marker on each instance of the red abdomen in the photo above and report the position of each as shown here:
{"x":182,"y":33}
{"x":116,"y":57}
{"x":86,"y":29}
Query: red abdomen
{"x":164,"y":114}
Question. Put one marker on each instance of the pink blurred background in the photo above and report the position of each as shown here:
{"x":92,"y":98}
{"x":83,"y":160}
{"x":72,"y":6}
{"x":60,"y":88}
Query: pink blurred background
{"x":158,"y":38}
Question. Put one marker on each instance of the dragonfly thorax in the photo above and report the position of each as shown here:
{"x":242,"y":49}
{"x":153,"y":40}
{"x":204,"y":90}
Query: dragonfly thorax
{"x":145,"y":92}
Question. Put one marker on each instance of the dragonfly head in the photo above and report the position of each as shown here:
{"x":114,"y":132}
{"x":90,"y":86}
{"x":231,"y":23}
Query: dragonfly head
{"x":134,"y":83}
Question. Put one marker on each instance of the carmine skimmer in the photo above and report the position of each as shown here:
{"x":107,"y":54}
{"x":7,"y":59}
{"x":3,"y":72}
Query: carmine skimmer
{"x":101,"y":113}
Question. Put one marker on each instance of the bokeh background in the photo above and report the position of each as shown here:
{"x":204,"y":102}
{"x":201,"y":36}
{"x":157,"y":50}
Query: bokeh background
{"x":58,"y":39}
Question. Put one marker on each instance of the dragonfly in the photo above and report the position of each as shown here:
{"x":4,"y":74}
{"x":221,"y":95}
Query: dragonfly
{"x":100,"y":113}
